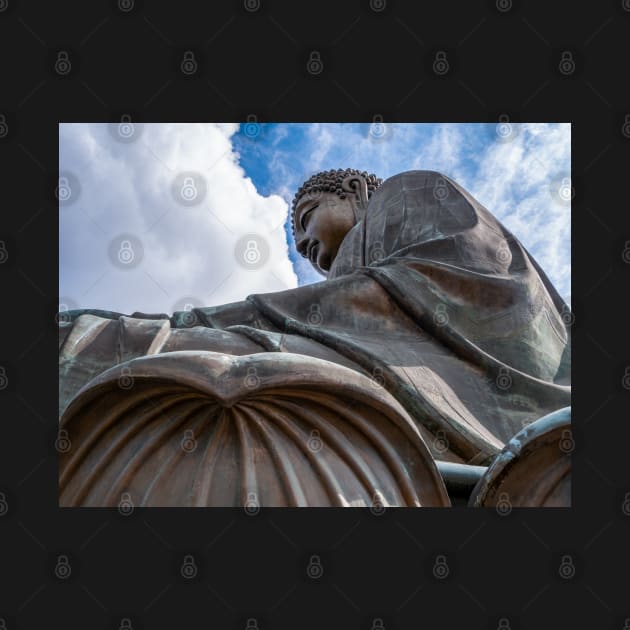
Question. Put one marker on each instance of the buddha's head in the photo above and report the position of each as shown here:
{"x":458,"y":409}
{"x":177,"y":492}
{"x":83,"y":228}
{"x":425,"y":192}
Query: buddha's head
{"x":325,"y":208}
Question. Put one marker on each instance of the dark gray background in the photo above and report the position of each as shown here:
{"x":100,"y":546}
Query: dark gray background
{"x":503,"y":59}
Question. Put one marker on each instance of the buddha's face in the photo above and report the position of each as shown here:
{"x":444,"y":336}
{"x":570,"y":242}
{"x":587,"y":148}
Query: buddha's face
{"x":322,"y":221}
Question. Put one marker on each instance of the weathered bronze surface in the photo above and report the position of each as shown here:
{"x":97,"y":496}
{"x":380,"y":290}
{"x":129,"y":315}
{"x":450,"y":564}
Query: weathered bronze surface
{"x":428,"y":299}
{"x":274,"y":429}
{"x":534,"y":468}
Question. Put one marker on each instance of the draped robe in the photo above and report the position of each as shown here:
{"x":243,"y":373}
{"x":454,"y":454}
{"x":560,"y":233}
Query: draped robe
{"x":429,"y":294}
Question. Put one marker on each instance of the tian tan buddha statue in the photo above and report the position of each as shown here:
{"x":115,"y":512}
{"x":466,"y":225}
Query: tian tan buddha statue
{"x":435,"y":343}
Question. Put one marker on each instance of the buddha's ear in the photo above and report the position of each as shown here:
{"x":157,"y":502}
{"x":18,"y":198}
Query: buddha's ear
{"x":356,"y":185}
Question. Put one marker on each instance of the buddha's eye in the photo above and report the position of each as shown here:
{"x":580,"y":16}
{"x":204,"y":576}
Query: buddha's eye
{"x":304,"y":215}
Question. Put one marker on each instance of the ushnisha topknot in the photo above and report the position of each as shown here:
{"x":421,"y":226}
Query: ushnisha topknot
{"x":330,"y":181}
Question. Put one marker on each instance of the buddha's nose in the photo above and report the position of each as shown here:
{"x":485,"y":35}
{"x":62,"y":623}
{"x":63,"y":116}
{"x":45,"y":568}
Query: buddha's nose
{"x":302,"y":246}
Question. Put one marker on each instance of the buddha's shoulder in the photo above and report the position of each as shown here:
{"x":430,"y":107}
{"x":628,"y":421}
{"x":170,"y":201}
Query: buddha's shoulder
{"x":414,"y":175}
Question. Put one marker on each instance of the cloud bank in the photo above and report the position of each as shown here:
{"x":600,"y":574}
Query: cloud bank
{"x":157,"y":217}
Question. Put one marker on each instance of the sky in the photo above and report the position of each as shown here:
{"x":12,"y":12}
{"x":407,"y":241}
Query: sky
{"x":167,"y":216}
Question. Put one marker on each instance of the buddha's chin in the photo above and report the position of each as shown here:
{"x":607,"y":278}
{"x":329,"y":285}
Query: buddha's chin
{"x":323,"y":260}
{"x":319,"y":268}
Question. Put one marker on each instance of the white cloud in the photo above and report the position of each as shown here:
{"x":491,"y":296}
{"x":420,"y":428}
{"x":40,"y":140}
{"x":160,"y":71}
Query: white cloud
{"x":322,"y":141}
{"x":126,"y":188}
{"x":443,"y":151}
{"x":518,"y":182}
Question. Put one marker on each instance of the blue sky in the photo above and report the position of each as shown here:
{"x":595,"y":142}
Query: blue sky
{"x":128,"y":197}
